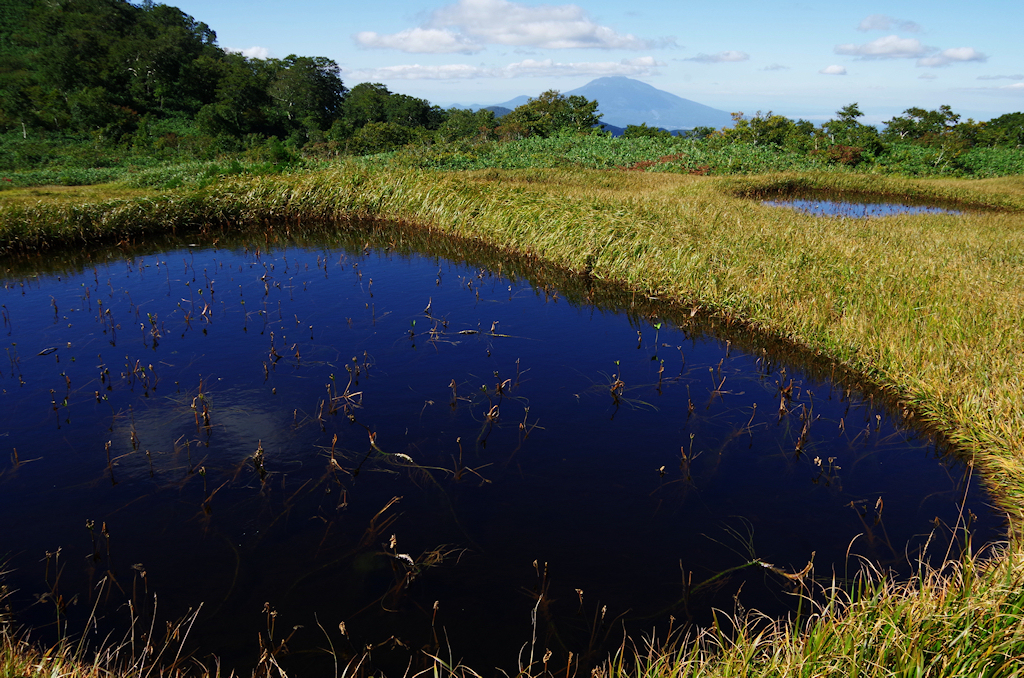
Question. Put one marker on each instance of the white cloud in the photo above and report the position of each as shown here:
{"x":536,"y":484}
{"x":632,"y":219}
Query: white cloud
{"x":522,"y":69}
{"x":418,"y":72}
{"x":952,"y":55}
{"x":467,"y":25}
{"x":1001,"y":77}
{"x":1015,"y":87}
{"x":720,"y":57}
{"x":547,"y":67}
{"x":889,"y":47}
{"x":775,"y":67}
{"x":419,"y":41}
{"x":881,"y":22}
{"x":895,"y":47}
{"x":833,"y":70}
{"x":251,"y":52}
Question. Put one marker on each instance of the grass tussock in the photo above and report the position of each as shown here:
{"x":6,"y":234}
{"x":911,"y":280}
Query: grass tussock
{"x":928,"y":307}
{"x":961,"y":620}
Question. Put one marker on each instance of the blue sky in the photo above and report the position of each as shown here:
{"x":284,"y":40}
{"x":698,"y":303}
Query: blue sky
{"x":802,"y":60}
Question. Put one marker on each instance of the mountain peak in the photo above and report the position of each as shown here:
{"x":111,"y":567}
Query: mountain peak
{"x":625,"y":101}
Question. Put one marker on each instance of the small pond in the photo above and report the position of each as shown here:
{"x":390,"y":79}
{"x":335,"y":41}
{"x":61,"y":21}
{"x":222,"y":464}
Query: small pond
{"x":302,"y":435}
{"x":856,"y":206}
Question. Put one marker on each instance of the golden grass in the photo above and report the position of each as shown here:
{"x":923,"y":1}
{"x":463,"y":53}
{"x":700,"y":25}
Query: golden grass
{"x":70,"y":194}
{"x":963,"y":620}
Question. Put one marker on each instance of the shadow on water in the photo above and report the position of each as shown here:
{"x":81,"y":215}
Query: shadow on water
{"x":373,"y":439}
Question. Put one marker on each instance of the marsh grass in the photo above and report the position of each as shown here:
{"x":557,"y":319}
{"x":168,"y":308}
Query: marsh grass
{"x":958,"y":620}
{"x":70,"y":194}
{"x":926,"y":307}
{"x":146,"y":649}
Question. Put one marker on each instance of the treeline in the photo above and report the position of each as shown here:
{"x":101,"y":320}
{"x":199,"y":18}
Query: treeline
{"x":120,"y":71}
{"x":845,"y":140}
{"x":151,"y":77}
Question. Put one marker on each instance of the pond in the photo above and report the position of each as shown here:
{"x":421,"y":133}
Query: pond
{"x":855,"y":206}
{"x":338,"y":442}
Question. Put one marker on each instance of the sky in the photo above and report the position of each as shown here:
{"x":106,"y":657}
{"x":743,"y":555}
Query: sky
{"x":798,"y":59}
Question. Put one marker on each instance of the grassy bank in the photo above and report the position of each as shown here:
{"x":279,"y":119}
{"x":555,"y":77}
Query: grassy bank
{"x":928,"y":307}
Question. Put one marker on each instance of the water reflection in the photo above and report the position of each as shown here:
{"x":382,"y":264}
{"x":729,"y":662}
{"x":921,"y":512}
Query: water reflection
{"x":424,"y":449}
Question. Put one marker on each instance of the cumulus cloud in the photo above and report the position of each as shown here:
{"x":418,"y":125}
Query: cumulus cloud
{"x":952,"y":55}
{"x":775,"y":67}
{"x":522,"y":69}
{"x":251,"y":52}
{"x":720,"y":57}
{"x":833,"y":70}
{"x":889,"y":47}
{"x":467,"y":25}
{"x":420,"y":41}
{"x":881,"y":22}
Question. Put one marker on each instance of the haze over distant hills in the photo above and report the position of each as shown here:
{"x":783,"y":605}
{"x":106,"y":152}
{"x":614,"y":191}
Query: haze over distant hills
{"x":625,"y":101}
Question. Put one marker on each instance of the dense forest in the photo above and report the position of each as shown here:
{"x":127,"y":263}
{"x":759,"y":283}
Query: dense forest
{"x":94,"y":83}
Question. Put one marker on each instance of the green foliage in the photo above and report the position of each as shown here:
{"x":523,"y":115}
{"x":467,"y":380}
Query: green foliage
{"x":699,"y":132}
{"x":845,"y":130}
{"x":380,"y":137}
{"x":922,"y":126}
{"x":87,"y":64}
{"x":551,"y":113}
{"x":1006,"y":130}
{"x":374,"y":103}
{"x":642,"y":130}
{"x":104,"y":66}
{"x":600,"y":151}
{"x":467,"y":125}
{"x":307,"y":90}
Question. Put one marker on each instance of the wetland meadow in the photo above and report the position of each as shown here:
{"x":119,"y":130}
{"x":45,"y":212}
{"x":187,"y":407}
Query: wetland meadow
{"x":371,"y":420}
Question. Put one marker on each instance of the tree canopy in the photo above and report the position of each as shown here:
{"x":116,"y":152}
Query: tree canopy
{"x":553,"y":112}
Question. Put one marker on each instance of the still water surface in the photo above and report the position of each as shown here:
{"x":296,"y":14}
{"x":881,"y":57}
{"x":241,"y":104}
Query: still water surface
{"x":855,"y":209}
{"x":421,"y":449}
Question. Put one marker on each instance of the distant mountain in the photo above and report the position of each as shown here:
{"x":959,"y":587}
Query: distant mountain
{"x":498,"y":111}
{"x":513,"y":103}
{"x":624,"y":101}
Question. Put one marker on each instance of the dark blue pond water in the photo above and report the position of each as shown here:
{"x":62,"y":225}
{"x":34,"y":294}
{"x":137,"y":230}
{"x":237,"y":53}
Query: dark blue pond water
{"x":421,"y":450}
